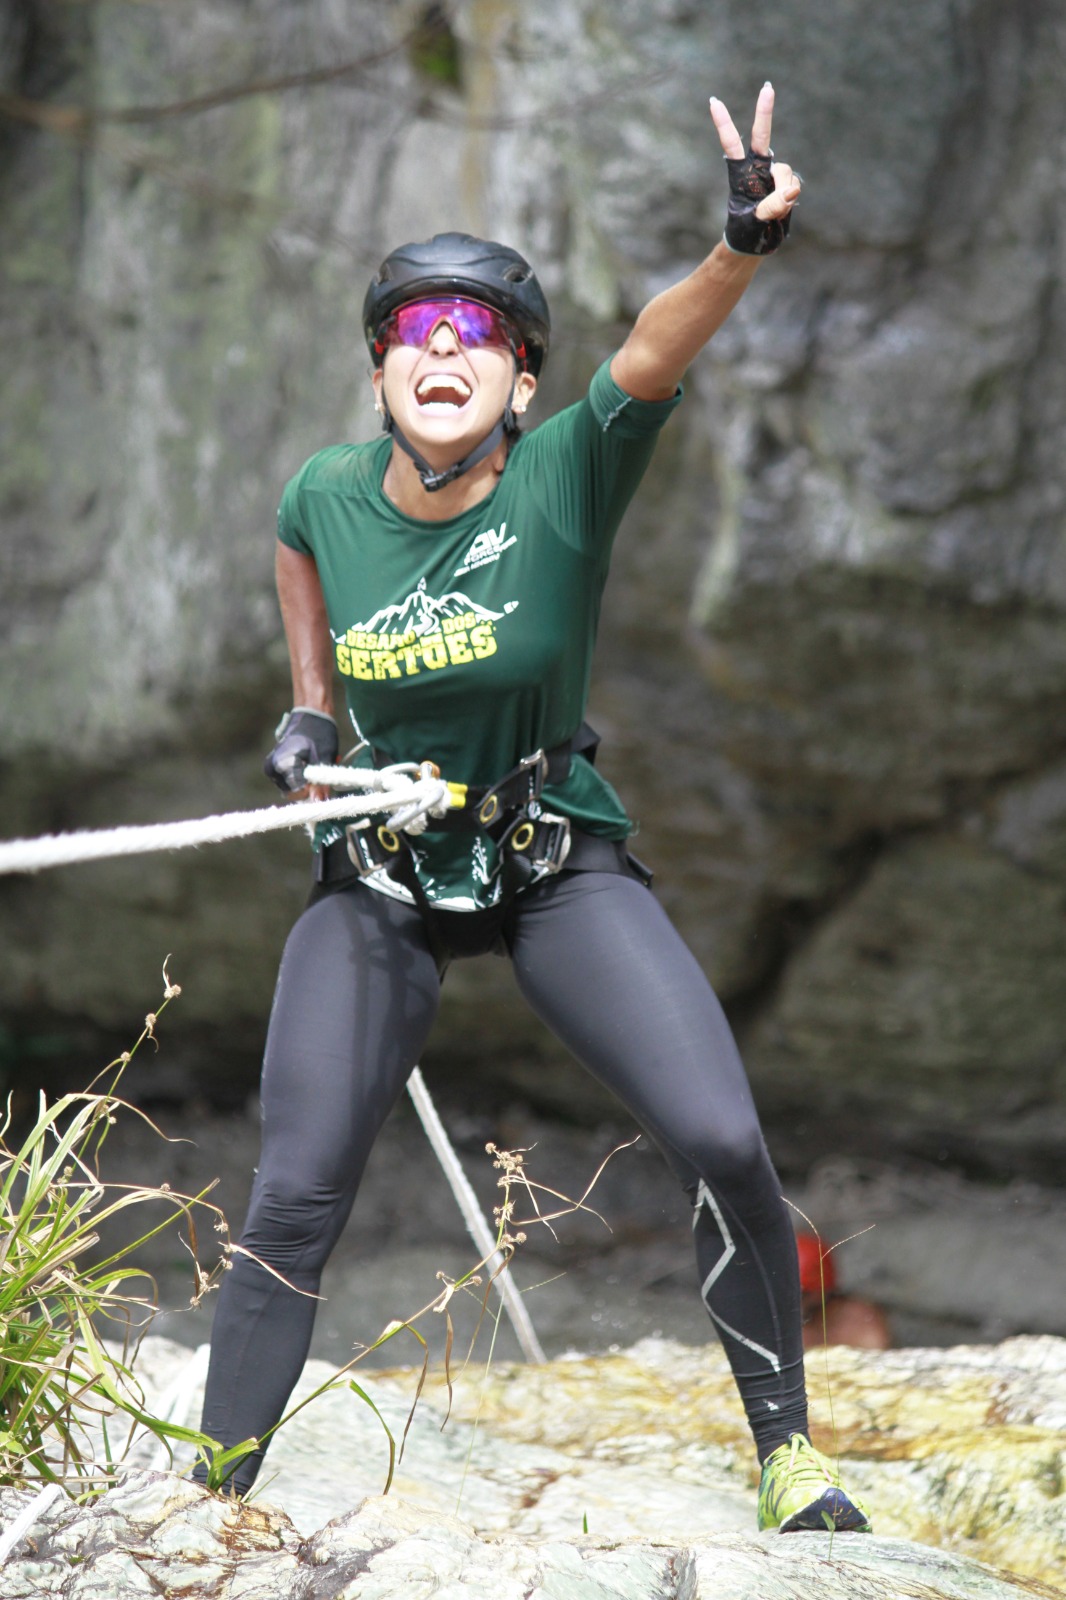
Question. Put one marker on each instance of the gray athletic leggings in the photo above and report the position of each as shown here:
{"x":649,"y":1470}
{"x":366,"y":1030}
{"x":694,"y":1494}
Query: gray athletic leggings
{"x":599,"y":961}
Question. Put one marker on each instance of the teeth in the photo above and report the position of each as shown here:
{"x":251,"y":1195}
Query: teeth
{"x":442,"y":388}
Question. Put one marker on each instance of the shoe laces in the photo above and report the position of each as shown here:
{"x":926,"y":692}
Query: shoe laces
{"x":805,"y":1465}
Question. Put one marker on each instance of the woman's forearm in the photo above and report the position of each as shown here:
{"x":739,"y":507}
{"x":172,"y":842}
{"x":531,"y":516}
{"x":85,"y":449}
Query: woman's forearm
{"x":303,"y":612}
{"x":673,"y":328}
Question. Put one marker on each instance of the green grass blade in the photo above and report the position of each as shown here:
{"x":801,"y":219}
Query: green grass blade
{"x":356,"y":1389}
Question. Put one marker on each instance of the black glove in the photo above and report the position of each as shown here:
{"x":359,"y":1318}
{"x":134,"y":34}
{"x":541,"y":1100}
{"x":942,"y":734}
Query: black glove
{"x":749,"y":183}
{"x":304,"y":738}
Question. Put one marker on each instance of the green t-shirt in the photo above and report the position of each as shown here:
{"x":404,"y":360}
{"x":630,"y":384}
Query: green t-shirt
{"x":469,"y":642}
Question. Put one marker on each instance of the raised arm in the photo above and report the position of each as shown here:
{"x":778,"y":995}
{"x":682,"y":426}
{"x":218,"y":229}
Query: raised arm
{"x":673,"y":328}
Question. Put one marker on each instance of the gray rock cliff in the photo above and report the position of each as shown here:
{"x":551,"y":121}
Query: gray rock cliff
{"x":832,"y":675}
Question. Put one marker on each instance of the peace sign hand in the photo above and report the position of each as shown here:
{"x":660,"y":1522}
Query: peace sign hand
{"x":762,"y":192}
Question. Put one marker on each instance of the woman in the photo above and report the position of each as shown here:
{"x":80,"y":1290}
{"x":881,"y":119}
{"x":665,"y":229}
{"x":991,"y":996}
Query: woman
{"x":451,"y":573}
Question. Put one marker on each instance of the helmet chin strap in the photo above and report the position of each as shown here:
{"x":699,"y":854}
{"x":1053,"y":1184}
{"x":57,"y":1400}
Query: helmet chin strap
{"x":433,"y":480}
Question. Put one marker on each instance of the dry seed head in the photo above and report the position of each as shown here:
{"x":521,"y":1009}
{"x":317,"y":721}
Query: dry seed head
{"x":509,"y":1162}
{"x":170,"y":990}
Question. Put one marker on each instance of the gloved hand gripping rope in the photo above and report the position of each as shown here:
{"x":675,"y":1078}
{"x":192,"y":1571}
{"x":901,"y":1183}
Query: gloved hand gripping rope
{"x":305,"y":752}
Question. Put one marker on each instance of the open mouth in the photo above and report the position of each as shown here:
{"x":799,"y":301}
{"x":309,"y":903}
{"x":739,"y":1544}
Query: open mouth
{"x":442,"y":392}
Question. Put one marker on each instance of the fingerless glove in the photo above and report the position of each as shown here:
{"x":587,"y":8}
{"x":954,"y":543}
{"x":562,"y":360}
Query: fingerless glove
{"x":750,"y":181}
{"x":304,"y":738}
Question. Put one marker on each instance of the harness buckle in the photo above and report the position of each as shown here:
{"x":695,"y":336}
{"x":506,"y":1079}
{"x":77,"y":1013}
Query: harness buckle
{"x":553,"y":840}
{"x":521,"y":785}
{"x":360,"y":840}
{"x":537,"y":766}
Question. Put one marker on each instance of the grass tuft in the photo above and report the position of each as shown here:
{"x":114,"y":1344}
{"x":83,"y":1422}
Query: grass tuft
{"x":70,"y":1323}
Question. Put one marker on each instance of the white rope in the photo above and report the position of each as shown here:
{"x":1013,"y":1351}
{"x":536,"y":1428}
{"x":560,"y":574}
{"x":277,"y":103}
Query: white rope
{"x":473,"y":1216}
{"x":399,"y":777}
{"x":64,"y":849}
{"x":16,"y":1531}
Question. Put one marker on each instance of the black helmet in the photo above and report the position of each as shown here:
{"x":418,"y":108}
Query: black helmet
{"x":457,"y":263}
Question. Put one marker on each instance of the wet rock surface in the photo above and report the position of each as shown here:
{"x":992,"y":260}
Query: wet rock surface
{"x":626,"y":1475}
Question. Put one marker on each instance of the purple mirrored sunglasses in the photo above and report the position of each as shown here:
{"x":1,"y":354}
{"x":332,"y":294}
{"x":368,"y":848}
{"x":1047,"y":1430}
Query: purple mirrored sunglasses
{"x":475,"y":325}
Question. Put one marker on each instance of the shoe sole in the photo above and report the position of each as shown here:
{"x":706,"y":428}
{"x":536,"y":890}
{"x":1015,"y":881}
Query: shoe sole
{"x":832,"y":1512}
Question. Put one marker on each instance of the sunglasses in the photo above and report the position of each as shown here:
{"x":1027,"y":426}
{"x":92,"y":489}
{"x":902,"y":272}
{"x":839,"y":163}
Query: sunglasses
{"x":474,"y":324}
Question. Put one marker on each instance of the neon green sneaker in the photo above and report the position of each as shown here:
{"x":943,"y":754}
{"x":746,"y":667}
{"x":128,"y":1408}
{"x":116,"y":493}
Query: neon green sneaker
{"x":799,"y":1490}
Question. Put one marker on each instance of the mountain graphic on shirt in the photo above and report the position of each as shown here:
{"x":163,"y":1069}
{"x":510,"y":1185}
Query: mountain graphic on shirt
{"x":420,"y":613}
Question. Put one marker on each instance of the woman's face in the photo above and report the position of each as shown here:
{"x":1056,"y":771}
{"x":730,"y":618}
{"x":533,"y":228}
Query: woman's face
{"x":447,"y":397}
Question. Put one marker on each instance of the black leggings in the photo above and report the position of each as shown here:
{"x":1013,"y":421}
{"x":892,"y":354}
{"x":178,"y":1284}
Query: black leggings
{"x":599,"y":961}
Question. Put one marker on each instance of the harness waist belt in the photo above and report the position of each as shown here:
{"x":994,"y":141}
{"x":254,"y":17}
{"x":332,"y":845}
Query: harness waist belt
{"x":490,"y":808}
{"x":588,"y":852}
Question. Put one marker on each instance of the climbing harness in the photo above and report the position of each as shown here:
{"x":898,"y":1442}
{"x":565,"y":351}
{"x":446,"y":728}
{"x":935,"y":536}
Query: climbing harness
{"x":533,"y":844}
{"x":531,"y":841}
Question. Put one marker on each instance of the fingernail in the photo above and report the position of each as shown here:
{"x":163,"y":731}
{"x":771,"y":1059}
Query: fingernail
{"x":767,"y":84}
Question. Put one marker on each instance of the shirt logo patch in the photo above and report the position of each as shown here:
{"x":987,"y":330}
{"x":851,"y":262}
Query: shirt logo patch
{"x":422,"y":633}
{"x":487,"y":547}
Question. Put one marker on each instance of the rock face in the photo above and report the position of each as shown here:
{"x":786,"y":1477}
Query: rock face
{"x":157,"y":1531}
{"x":833,"y":666}
{"x":598,"y":1479}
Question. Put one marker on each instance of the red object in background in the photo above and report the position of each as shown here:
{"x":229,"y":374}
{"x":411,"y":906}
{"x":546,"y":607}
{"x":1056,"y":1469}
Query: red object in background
{"x":815,"y":1275}
{"x":830,"y":1317}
